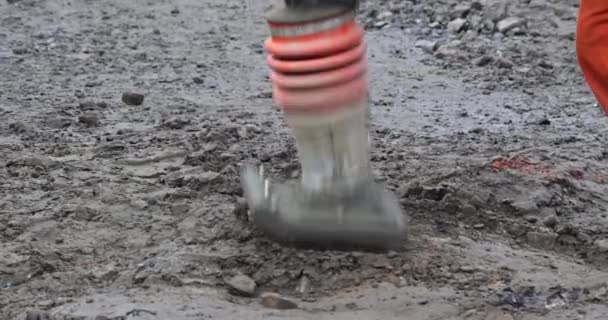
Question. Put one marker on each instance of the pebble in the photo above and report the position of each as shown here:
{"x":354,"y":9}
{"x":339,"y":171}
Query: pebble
{"x":525,"y":207}
{"x":551,"y":221}
{"x":461,"y":10}
{"x":21,"y":127}
{"x":544,"y":122}
{"x":456,"y":25}
{"x":602,"y":245}
{"x":176,"y":123}
{"x":482,"y":61}
{"x":139,"y":204}
{"x":84,"y":213}
{"x":427,"y":45}
{"x":132,"y":99}
{"x":198,"y":80}
{"x":92,"y":105}
{"x":20,"y":51}
{"x":242,"y":285}
{"x":479,"y":226}
{"x":276,"y":301}
{"x":242,"y":132}
{"x":504,"y":63}
{"x":508,"y":24}
{"x":531,"y":218}
{"x":89,"y":119}
{"x":468,"y":269}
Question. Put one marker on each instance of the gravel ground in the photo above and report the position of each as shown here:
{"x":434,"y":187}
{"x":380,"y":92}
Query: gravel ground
{"x":125,"y":122}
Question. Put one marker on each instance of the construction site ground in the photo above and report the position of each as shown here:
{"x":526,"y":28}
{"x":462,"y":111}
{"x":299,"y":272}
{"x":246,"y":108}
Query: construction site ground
{"x":481,"y":124}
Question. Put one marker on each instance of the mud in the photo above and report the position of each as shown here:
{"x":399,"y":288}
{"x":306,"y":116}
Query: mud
{"x":116,"y":209}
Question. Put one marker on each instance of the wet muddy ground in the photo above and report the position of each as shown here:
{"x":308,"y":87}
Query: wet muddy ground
{"x":482,"y":125}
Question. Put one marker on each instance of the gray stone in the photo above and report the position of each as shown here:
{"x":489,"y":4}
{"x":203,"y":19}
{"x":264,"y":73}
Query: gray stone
{"x":482,"y":61}
{"x":461,"y":10}
{"x":508,"y":24}
{"x":427,"y":45}
{"x":139,"y":204}
{"x":531,"y":218}
{"x":504,"y":63}
{"x":457,"y":25}
{"x":89,"y":119}
{"x":551,"y":221}
{"x":525,"y":207}
{"x":468,"y":209}
{"x":276,"y":301}
{"x":242,"y":285}
{"x":601,"y":245}
{"x":132,"y":99}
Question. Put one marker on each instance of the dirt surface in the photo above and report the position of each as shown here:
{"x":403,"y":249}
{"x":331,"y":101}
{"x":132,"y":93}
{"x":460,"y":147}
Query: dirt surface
{"x":112,"y":210}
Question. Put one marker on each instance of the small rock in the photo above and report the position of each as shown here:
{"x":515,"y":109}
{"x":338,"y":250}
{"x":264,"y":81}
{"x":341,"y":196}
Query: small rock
{"x":551,"y":221}
{"x":276,"y":301}
{"x":478,"y":4}
{"x":20,"y":51}
{"x":84,"y":213}
{"x":139,"y":204}
{"x":92,"y":105}
{"x":505,"y":25}
{"x":242,"y":285}
{"x":180,"y":209}
{"x":461,"y":10}
{"x":538,"y":4}
{"x":132,"y":99}
{"x":504,"y":63}
{"x":198,"y":80}
{"x":468,"y":209}
{"x":303,"y":285}
{"x":242,"y":132}
{"x":482,"y":61}
{"x":381,"y":24}
{"x":176,"y":123}
{"x":479,"y":226}
{"x":175,"y":11}
{"x":468,"y":269}
{"x":92,"y":84}
{"x":457,"y":25}
{"x":544,"y":122}
{"x":89,"y":119}
{"x":59,"y":123}
{"x":545,"y":64}
{"x":601,"y":245}
{"x":427,"y":45}
{"x":384,"y":15}
{"x":525,"y":207}
{"x":21,"y":127}
{"x":531,"y":218}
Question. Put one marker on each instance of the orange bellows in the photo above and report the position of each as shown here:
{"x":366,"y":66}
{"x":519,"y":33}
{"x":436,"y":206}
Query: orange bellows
{"x":316,"y":67}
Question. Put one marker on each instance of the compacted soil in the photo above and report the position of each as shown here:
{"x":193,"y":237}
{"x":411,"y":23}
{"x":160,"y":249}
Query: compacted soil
{"x":116,"y":208}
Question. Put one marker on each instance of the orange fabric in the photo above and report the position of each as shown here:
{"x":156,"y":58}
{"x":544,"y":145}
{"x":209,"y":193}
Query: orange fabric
{"x":592,"y":47}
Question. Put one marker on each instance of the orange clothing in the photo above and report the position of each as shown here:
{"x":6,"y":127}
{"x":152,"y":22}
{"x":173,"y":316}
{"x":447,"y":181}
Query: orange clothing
{"x":592,"y":47}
